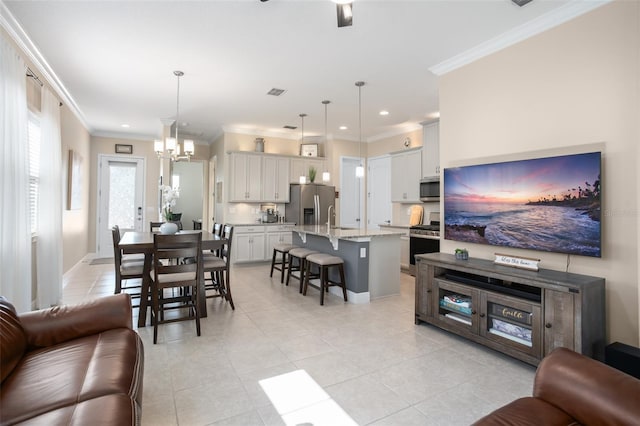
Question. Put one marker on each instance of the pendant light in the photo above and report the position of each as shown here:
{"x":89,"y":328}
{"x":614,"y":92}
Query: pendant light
{"x":171,"y":144}
{"x":326,"y":177}
{"x":303,"y":178}
{"x":360,"y":168}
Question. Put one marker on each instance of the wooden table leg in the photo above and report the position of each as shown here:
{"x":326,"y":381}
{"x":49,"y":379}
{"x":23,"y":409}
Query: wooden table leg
{"x":144,"y":294}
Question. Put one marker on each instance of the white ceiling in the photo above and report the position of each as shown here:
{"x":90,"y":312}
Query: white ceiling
{"x":116,"y":60}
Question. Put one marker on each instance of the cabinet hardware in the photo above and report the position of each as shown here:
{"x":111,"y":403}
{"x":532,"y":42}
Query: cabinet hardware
{"x":548,"y":325}
{"x":482,"y":315}
{"x":473,"y":312}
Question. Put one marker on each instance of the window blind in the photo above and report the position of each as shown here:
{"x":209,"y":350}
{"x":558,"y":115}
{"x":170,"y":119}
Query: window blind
{"x":34,"y":168}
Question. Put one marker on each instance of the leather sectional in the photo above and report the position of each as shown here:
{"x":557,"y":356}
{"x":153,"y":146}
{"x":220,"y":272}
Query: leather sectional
{"x":572,"y":389}
{"x":73,"y":365}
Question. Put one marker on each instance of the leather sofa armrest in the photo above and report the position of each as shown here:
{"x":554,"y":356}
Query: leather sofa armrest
{"x":58,"y":324}
{"x":589,"y":391}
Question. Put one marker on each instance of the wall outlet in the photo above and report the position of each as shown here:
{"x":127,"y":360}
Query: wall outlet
{"x":408,"y":211}
{"x":363,"y":252}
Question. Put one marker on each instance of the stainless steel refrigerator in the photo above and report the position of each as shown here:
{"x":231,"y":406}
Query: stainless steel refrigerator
{"x":309,"y":204}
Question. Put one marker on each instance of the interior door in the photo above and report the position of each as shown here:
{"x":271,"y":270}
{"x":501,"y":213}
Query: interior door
{"x":379,"y":205}
{"x":351,"y":194}
{"x":120,"y":199}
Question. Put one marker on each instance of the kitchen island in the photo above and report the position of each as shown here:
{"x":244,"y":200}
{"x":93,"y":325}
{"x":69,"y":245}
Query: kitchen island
{"x":371,"y":258}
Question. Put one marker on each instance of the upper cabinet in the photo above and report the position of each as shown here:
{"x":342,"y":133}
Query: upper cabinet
{"x":406,"y":172}
{"x":246,"y":174}
{"x":300,"y":167}
{"x":257,"y":177}
{"x":275,"y":179}
{"x":431,"y":150}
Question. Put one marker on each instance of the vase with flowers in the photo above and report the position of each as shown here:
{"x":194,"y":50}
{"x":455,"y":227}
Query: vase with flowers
{"x":169,"y":199}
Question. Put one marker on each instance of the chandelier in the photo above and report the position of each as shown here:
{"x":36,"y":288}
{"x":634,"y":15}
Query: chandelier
{"x":170,"y":148}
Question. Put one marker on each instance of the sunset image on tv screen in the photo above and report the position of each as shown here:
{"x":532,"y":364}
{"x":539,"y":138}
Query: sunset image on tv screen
{"x":548,"y":204}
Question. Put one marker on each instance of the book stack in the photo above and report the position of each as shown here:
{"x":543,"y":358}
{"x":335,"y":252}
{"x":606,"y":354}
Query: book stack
{"x":457,"y":303}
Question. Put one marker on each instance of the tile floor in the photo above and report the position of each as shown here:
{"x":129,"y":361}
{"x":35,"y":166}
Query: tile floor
{"x":371,"y":360}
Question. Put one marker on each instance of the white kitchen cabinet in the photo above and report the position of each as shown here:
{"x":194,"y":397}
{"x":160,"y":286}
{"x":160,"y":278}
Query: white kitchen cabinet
{"x":431,"y":150}
{"x":406,"y":172}
{"x":246,"y":175}
{"x":248,"y":244}
{"x":275,"y":179}
{"x":300,"y":167}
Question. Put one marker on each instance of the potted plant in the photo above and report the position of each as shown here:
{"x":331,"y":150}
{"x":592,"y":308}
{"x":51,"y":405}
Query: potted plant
{"x":462,"y":254}
{"x":312,"y":174}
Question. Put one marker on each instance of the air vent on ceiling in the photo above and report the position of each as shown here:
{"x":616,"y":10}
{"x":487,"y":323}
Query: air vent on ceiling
{"x":521,"y":2}
{"x":275,"y":92}
{"x":290,"y":127}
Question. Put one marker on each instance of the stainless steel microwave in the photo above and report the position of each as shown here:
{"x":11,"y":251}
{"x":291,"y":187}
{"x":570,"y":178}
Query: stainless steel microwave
{"x":430,"y":189}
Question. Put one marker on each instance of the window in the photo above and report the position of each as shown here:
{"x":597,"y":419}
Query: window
{"x":34,"y":168}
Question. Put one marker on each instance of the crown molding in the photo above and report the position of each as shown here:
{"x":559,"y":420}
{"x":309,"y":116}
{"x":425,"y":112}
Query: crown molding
{"x":542,"y":23}
{"x":395,"y":132}
{"x":20,"y":37}
{"x":255,"y":131}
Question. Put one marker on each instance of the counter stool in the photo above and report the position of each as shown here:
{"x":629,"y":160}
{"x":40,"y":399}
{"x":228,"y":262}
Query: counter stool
{"x":297,"y":262}
{"x":324,"y":262}
{"x":282,"y":264}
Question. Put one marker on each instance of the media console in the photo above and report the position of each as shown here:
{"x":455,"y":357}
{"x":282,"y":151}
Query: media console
{"x":525,"y":314}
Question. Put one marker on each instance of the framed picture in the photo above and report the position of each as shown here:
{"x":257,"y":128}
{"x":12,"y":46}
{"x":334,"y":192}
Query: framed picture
{"x":309,"y":150}
{"x":124,"y":149}
{"x":74,"y":189}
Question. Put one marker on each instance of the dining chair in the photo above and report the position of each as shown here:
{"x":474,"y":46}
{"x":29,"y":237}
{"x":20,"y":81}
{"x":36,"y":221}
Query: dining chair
{"x":155,"y":226}
{"x":217,"y":265}
{"x":127,"y":267}
{"x":182,"y":277}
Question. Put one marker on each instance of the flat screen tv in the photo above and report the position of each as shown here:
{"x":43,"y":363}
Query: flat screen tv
{"x":549,"y":204}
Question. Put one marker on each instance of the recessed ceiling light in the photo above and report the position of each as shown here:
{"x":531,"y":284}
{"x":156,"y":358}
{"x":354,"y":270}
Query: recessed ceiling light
{"x":384,"y":112}
{"x":126,"y":126}
{"x":343,"y":127}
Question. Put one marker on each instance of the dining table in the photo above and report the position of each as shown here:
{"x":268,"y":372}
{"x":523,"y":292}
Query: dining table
{"x":142,"y":242}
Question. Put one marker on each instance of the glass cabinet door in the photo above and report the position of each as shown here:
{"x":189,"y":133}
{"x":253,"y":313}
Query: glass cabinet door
{"x":511,"y":322}
{"x":456,"y":305}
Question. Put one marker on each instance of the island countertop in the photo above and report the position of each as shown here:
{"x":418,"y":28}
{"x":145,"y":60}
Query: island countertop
{"x":344,"y":233}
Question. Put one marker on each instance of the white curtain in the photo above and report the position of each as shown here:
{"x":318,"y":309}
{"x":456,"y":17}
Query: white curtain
{"x":15,"y":223}
{"x":49,"y":216}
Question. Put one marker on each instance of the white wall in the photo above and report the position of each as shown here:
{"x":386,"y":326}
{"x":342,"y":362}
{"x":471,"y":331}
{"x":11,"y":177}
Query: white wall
{"x":571,"y":86}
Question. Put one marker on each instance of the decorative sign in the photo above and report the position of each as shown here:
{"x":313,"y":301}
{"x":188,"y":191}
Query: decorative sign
{"x":517,"y":261}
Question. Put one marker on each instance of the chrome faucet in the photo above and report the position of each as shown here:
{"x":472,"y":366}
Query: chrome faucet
{"x":329,"y":216}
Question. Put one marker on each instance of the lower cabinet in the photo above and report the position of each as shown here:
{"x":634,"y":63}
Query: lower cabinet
{"x":524,"y":314}
{"x":248,"y":243}
{"x":255,"y":243}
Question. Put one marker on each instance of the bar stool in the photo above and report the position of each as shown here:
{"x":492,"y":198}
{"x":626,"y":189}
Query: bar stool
{"x":324,"y":262}
{"x":282,"y":264}
{"x":298,"y":255}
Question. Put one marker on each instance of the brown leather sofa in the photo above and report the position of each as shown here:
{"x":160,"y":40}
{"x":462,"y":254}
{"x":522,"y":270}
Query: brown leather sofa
{"x":71,"y":365}
{"x":571,"y":389}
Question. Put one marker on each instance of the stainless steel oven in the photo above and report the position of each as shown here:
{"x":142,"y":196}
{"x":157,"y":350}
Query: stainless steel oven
{"x":424,"y":239}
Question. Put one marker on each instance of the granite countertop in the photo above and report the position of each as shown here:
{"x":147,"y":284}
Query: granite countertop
{"x":262,"y":223}
{"x":387,"y":225}
{"x":344,"y":233}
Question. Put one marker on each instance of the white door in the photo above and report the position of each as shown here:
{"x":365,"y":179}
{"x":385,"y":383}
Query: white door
{"x":120,"y":198}
{"x":379,"y":207}
{"x":351,"y":194}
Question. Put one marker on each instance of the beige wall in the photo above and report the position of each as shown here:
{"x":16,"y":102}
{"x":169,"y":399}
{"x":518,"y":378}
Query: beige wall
{"x":571,"y":86}
{"x":75,"y":223}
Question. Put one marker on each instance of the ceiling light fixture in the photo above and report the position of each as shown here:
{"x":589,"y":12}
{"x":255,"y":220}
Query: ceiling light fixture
{"x":360,"y":168}
{"x":343,"y":127}
{"x":384,"y":112}
{"x":344,"y":9}
{"x":172,"y":145}
{"x":303,"y":178}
